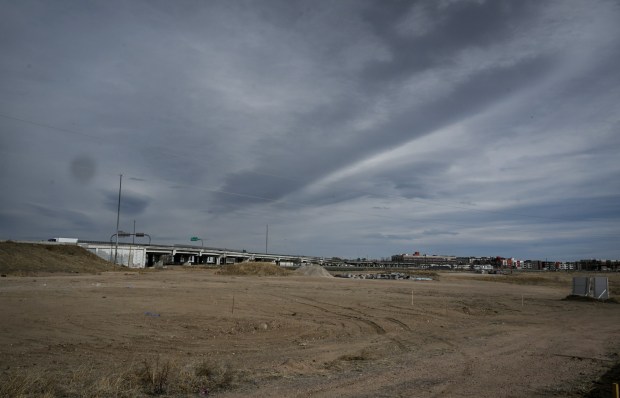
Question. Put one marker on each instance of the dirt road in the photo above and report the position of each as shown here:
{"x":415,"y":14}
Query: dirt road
{"x":299,"y":336}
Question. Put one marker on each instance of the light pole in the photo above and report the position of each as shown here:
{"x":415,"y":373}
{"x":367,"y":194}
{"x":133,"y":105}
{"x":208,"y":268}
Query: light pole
{"x":117,"y":235}
{"x":118,"y":216}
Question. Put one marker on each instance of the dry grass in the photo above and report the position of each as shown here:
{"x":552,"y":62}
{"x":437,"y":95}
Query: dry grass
{"x":253,"y":268}
{"x":151,"y":377}
{"x":423,"y":273}
{"x":28,"y":259}
{"x":213,"y":376}
{"x":154,"y":376}
{"x":27,"y":384}
{"x":521,"y":279}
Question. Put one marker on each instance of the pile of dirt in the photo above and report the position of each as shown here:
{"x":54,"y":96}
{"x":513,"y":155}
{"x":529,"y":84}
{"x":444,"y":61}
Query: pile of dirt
{"x":253,"y":268}
{"x":24,"y":259}
{"x":313,"y":270}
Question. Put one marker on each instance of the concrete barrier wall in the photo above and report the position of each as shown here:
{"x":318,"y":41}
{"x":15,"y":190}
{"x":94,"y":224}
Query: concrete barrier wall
{"x":132,"y":257}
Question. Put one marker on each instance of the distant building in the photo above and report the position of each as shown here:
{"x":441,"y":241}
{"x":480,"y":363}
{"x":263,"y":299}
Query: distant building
{"x":597,"y":265}
{"x":535,"y":265}
{"x":423,"y":259}
{"x":511,"y":263}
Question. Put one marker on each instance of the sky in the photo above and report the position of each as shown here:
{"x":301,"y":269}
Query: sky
{"x":346,"y":128}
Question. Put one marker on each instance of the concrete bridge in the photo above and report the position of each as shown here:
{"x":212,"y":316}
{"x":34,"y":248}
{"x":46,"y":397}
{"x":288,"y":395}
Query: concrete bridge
{"x":142,"y":255}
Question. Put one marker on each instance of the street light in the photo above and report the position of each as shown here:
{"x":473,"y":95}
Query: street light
{"x":142,"y":235}
{"x":123,"y":234}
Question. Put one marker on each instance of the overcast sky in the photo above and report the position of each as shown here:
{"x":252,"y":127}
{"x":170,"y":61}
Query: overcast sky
{"x":351,"y":128}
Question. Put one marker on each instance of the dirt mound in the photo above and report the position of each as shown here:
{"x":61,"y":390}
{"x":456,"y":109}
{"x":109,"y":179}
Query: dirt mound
{"x":574,"y":297}
{"x":255,"y":268}
{"x":32,"y":258}
{"x":313,"y":270}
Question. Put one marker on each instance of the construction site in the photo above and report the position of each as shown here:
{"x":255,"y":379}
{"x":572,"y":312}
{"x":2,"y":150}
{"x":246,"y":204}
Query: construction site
{"x":72,"y":324}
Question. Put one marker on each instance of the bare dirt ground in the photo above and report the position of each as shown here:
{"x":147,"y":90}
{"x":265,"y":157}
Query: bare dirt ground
{"x":197,"y":333}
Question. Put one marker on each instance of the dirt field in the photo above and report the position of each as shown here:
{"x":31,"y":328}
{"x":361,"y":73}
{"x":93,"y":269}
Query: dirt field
{"x":197,"y":333}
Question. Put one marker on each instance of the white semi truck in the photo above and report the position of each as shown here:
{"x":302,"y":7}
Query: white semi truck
{"x":63,"y":240}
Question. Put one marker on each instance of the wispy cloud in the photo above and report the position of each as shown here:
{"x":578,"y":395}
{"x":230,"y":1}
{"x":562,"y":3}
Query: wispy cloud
{"x":352,"y":128}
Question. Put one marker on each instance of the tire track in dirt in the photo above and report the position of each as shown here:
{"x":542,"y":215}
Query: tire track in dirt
{"x":375,"y":326}
{"x":465,"y":373}
{"x":403,"y":325}
{"x":320,"y":391}
{"x":322,"y":309}
{"x":390,"y":309}
{"x":333,"y":305}
{"x":406,"y":311}
{"x":364,"y":319}
{"x":402,"y":346}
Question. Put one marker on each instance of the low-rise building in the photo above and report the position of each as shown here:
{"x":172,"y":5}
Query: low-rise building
{"x":423,"y":259}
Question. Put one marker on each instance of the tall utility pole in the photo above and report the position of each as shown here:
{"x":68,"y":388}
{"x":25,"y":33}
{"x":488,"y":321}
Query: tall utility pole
{"x":267,"y":239}
{"x":118,"y":216}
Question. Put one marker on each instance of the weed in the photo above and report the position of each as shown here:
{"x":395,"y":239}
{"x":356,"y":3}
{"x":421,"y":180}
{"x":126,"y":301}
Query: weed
{"x":154,"y":376}
{"x":28,"y":383}
{"x":217,"y":376}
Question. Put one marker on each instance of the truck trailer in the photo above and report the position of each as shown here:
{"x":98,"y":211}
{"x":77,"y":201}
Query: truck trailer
{"x":63,"y":240}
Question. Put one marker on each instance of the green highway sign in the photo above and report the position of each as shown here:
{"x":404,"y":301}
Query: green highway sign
{"x":195,"y":239}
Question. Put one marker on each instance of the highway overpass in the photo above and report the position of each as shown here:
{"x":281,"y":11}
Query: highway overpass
{"x":147,"y":255}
